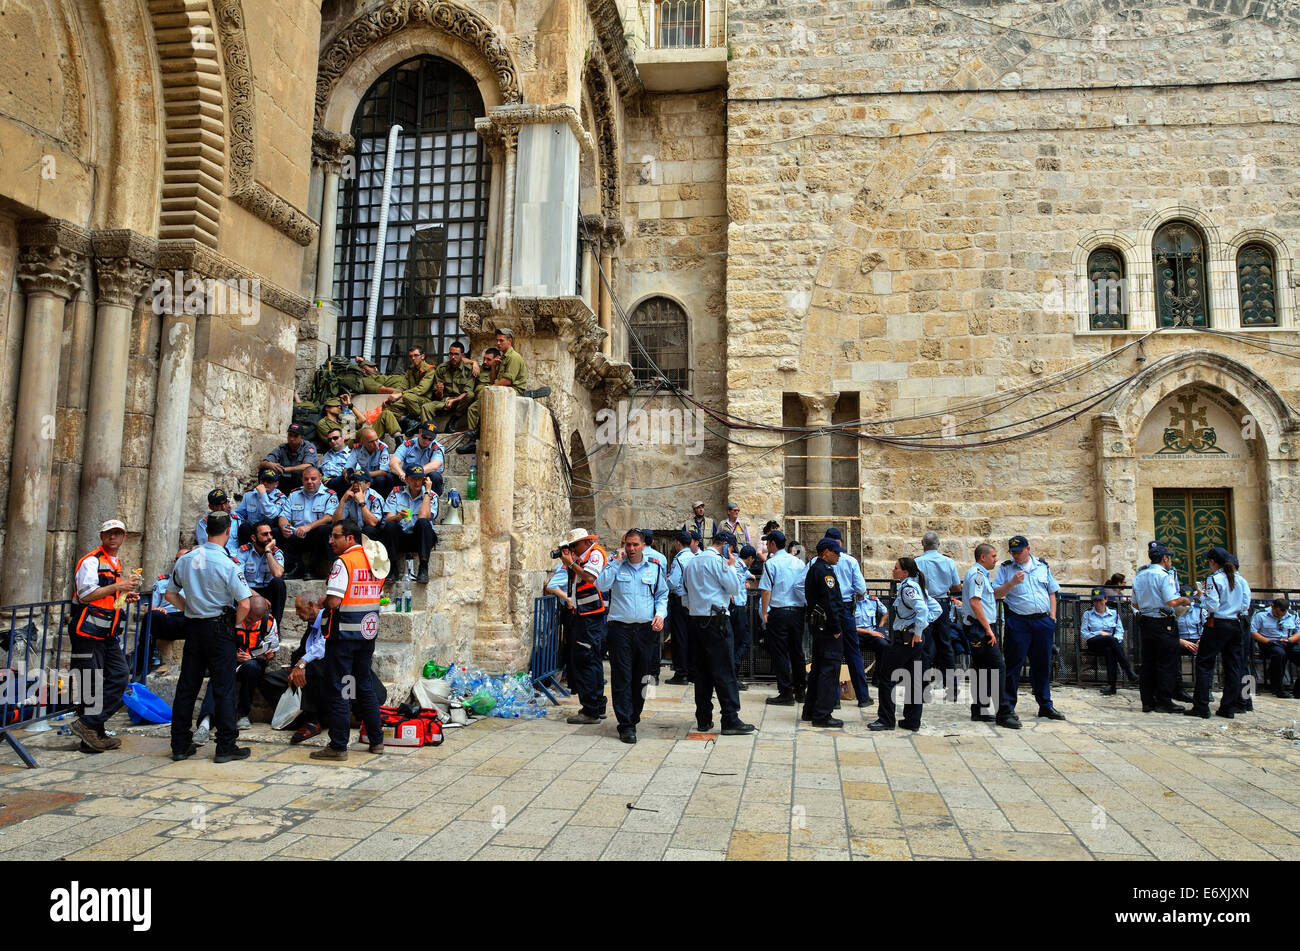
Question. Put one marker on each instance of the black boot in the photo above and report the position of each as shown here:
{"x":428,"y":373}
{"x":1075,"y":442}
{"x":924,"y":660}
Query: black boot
{"x":422,"y":576}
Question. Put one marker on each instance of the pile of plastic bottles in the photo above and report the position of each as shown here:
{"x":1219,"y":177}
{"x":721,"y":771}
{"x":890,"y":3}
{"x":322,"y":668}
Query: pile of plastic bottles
{"x":509,"y":697}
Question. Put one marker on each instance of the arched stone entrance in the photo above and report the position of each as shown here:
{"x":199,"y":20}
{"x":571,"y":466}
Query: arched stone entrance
{"x":1205,"y":425}
{"x":582,"y":493}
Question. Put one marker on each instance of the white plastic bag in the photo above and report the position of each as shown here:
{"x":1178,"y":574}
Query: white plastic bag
{"x":287,"y":710}
{"x":430,"y":692}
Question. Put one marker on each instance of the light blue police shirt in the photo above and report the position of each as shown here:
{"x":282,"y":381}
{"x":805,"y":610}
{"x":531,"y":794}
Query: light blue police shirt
{"x":1220,"y":601}
{"x":559,"y":579}
{"x":1093,"y":624}
{"x":401,"y":498}
{"x":742,"y":572}
{"x":232,"y":542}
{"x":977,"y":584}
{"x":940,"y":574}
{"x":637,"y":593}
{"x":680,"y":561}
{"x":910,"y":607}
{"x":363,"y":459}
{"x":1153,"y":588}
{"x":374,"y":502}
{"x":1189,"y":625}
{"x":267,"y":507}
{"x":867,"y":612}
{"x":709,"y":583}
{"x":209,"y":580}
{"x":1031,"y":595}
{"x":1272,"y":628}
{"x":783,"y":575}
{"x":333,"y":463}
{"x":253,"y":563}
{"x":656,"y":556}
{"x":848,"y":575}
{"x":304,"y":508}
{"x":412,"y":454}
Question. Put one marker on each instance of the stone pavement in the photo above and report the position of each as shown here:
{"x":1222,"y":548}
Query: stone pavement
{"x":1111,"y":783}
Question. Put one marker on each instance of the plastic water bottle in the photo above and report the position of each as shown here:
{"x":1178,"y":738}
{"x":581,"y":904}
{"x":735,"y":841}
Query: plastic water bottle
{"x":471,"y":486}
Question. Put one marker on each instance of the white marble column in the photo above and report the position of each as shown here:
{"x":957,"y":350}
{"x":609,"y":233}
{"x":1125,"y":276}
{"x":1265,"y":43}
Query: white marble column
{"x":819,"y":407}
{"x":52,"y":257}
{"x":123,"y":265}
{"x":495,"y":640}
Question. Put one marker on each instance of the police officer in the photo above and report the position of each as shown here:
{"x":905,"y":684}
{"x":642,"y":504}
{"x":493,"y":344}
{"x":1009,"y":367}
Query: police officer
{"x":825,"y":612}
{"x":362,"y":504}
{"x":584,"y":559}
{"x":305,"y":526}
{"x":409,"y":512}
{"x":677,"y":615}
{"x":424,"y":451}
{"x":208,"y":586}
{"x":1103,"y":634}
{"x":869,"y":618}
{"x":1274,"y":632}
{"x":739,"y":611}
{"x":942,"y":582}
{"x":97,"y":584}
{"x":350,"y":626}
{"x":638,"y":604}
{"x":371,"y":455}
{"x":980,"y":613}
{"x":292,"y":457}
{"x":848,"y":574}
{"x":651,"y":553}
{"x":1155,"y":595}
{"x":262,"y":563}
{"x":781,"y":601}
{"x":903,"y":659}
{"x":218,"y":501}
{"x":262,"y":503}
{"x":710,"y":582}
{"x":336,"y":461}
{"x":1227,"y":597}
{"x":1030,"y":590}
{"x":1189,"y":635}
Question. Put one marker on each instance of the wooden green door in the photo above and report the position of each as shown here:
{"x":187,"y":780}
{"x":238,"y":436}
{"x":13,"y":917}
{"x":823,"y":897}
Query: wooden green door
{"x":1188,"y":521}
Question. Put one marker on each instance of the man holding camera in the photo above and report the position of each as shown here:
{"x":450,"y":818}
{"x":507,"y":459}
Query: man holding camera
{"x":710,"y":582}
{"x":585,"y":559}
{"x":638,"y":603}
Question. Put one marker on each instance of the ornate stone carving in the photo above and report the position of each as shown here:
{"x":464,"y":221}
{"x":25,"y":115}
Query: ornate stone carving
{"x":244,"y":189}
{"x":124,"y":263}
{"x":504,"y":122}
{"x":331,"y":148}
{"x":498,"y":140}
{"x":593,"y":77}
{"x":608,"y":21}
{"x":395,"y":15}
{"x":52,"y":255}
{"x":191,"y":256}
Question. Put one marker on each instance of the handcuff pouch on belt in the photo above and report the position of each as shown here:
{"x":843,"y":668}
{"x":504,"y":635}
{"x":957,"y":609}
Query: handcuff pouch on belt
{"x":818,"y":619}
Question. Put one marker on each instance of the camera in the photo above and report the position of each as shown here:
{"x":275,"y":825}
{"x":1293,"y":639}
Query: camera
{"x":556,"y":553}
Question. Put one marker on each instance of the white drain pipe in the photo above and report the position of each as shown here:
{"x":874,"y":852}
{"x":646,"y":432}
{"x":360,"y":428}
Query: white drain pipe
{"x":377,"y":267}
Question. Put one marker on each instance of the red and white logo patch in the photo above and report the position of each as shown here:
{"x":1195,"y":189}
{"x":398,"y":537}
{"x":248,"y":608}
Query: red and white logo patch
{"x":370,"y":626}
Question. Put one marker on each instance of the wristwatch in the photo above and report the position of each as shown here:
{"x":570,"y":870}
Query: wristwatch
{"x":300,"y":665}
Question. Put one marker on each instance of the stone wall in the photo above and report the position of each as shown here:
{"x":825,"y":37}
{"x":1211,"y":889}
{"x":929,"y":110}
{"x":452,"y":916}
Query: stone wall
{"x":911,"y":190}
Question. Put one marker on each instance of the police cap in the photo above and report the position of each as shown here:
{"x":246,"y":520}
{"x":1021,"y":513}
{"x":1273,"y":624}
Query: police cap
{"x":829,"y":544}
{"x":218,"y":497}
{"x":778,"y":537}
{"x":268,"y":475}
{"x":1017,"y":543}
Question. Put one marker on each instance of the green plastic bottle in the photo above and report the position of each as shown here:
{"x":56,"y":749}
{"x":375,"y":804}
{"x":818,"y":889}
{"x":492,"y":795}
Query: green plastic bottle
{"x":471,"y":486}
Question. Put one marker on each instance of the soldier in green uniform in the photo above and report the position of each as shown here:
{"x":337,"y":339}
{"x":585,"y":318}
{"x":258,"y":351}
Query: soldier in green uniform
{"x":503,"y":366}
{"x":406,"y":399}
{"x":335,"y":418}
{"x":459,"y":379}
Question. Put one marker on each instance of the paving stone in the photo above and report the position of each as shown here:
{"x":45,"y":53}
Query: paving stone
{"x":577,"y":844}
{"x":694,"y":855}
{"x":762,"y":846}
{"x":636,"y":846}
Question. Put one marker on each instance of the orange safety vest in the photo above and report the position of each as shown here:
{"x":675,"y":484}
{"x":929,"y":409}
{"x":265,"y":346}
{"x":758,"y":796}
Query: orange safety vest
{"x":586,"y":596}
{"x":247,"y":638}
{"x":357,"y":616}
{"x":99,"y":619}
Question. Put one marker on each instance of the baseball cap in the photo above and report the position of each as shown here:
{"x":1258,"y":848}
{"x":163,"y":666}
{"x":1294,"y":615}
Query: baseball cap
{"x":1187,"y":591}
{"x":697,"y":504}
{"x":834,"y":532}
{"x":694,"y":535}
{"x":506,"y":332}
{"x":1219,"y":554}
{"x":649,"y":535}
{"x":829,"y":544}
{"x":415,"y":472}
{"x":1156,"y":551}
{"x":358,"y":475}
{"x":427,"y":429}
{"x":295,"y":429}
{"x":1099,"y":594}
{"x":112,"y":525}
{"x":725,"y":538}
{"x":218,"y":497}
{"x":1017,"y":543}
{"x":268,"y":475}
{"x":334,"y":401}
{"x":684,"y":537}
{"x":732,"y":505}
{"x":776,"y":536}
{"x":747,"y":551}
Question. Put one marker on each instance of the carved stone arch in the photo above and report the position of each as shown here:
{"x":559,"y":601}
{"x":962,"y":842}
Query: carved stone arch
{"x":1284,"y":281}
{"x":597,"y":84}
{"x":375,"y":26}
{"x":1137,"y":277}
{"x":243,"y":187}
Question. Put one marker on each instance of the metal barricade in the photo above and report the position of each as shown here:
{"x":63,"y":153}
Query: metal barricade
{"x":545,"y":663}
{"x":37,"y":682}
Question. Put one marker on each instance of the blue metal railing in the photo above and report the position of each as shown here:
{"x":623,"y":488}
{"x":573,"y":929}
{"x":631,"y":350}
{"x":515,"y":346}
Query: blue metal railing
{"x":35,"y":681}
{"x":546,"y":663}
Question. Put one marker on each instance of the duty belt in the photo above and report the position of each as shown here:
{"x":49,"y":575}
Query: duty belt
{"x":1028,"y":617}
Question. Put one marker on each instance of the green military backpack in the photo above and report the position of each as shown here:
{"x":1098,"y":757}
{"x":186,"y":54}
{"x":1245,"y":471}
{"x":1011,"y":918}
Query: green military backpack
{"x":335,"y":376}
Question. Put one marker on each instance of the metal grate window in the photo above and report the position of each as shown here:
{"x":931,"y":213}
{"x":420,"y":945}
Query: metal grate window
{"x":680,"y":24}
{"x":660,"y":325}
{"x":1257,"y":286}
{"x":1179,"y":253}
{"x":437,"y":219}
{"x":1107,"y":299}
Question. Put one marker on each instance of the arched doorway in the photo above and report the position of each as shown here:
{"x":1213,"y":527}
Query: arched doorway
{"x":582,"y":493}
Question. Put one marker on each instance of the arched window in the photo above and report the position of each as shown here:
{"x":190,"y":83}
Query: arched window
{"x":1179,"y":254}
{"x":660,"y":326}
{"x":1107,"y":292}
{"x":437,"y":219}
{"x":1257,"y":285}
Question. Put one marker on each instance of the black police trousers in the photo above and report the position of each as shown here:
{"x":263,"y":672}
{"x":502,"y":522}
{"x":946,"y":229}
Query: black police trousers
{"x":209,"y":650}
{"x":988,"y":675}
{"x":1112,"y":651}
{"x":420,"y":540}
{"x":739,"y":635}
{"x":586,"y":672}
{"x":679,"y":628}
{"x":713,"y":669}
{"x":632,"y":668}
{"x":103,"y":676}
{"x":938,"y":650}
{"x":903,"y":663}
{"x":1158,"y":680}
{"x":824,"y":672}
{"x":1275,"y":654}
{"x":785,"y":643}
{"x":1220,"y":638}
{"x":347,"y":662}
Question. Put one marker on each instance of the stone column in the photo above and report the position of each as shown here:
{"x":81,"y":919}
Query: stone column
{"x":329,"y":150}
{"x":170,"y":426}
{"x":496,"y":643}
{"x":818,"y":407}
{"x":612,"y":238}
{"x":51,"y":258}
{"x":123,"y":265}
